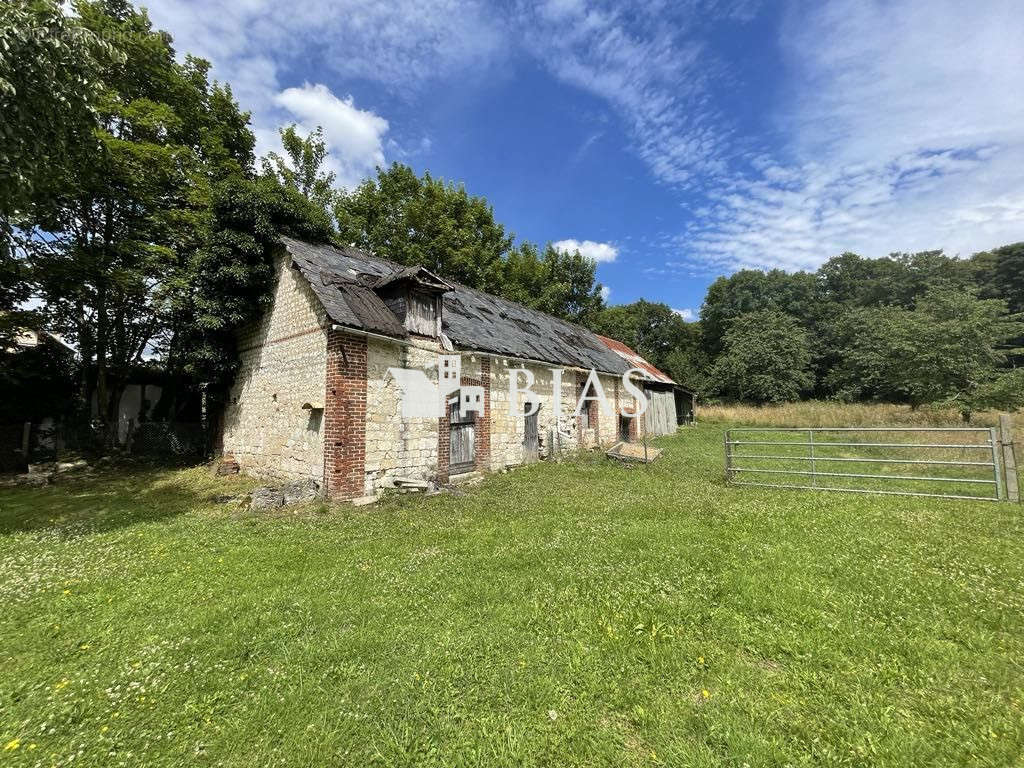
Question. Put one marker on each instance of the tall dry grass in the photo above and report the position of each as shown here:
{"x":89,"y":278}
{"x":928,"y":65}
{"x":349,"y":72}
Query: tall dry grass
{"x":819,"y":413}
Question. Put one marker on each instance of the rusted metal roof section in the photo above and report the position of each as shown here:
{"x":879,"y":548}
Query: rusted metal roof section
{"x":634,"y":360}
{"x":472,"y":320}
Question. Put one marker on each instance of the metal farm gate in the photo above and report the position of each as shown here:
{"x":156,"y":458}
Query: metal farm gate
{"x":949,"y":463}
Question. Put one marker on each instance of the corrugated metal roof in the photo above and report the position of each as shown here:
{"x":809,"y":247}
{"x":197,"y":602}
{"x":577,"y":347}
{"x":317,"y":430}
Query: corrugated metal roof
{"x":472,"y":319}
{"x":634,"y":360}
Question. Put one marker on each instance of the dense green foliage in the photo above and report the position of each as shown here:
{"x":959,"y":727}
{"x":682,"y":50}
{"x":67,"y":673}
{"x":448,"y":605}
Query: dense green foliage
{"x":677,"y":622}
{"x":765,"y":359}
{"x":920,"y":328}
{"x":423,"y":220}
{"x":50,"y":67}
{"x":109,"y":244}
{"x":48,"y":86}
{"x":157,"y":238}
{"x":301,"y":169}
{"x":559,"y":283}
{"x":950,"y":350}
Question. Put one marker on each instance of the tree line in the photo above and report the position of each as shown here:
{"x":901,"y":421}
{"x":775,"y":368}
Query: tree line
{"x":921,"y":328}
{"x":136,"y":220}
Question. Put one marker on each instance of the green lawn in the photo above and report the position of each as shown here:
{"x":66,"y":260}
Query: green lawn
{"x":577,"y":614}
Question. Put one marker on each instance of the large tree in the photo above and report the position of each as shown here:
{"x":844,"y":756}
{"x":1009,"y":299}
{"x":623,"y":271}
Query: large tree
{"x":224,"y":278}
{"x":766,"y":359}
{"x":559,"y":283}
{"x":422,"y":220}
{"x":49,"y":83}
{"x":959,"y":345}
{"x":751,"y":290}
{"x":950,"y":349}
{"x":111,"y":238}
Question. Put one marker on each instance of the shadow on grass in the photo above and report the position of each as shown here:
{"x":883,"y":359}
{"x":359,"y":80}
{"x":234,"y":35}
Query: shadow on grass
{"x":108,"y":501}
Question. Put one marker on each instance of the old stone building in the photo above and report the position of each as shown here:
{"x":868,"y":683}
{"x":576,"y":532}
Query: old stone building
{"x":319,"y":391}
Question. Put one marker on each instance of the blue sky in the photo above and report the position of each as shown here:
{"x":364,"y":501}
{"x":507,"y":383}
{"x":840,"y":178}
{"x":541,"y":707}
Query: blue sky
{"x":671,"y":141}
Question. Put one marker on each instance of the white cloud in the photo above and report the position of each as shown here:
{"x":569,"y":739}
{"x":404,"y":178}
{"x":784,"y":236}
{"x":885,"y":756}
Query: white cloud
{"x":903,"y":135}
{"x":689,"y":315}
{"x":646,"y":62}
{"x":605,"y":292}
{"x":596,"y":252}
{"x":400,"y":45}
{"x":354,"y":136}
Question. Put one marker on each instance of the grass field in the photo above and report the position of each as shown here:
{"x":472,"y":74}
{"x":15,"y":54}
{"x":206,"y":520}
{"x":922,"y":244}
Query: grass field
{"x":823,"y":413}
{"x":577,"y":614}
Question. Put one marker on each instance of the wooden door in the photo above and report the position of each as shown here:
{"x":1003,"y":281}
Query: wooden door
{"x":531,"y":437}
{"x":462,"y":440}
{"x":660,"y":418}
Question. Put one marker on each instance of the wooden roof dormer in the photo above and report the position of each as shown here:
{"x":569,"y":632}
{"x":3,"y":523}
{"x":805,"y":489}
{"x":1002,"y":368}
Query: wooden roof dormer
{"x":415,"y":296}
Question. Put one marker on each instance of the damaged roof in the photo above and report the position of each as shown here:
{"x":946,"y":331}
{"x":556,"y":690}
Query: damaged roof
{"x":419,"y":275}
{"x":635,"y":361}
{"x":342,"y":278}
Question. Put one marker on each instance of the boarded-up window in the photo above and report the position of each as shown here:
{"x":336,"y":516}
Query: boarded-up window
{"x":421,"y":314}
{"x":582,"y":392}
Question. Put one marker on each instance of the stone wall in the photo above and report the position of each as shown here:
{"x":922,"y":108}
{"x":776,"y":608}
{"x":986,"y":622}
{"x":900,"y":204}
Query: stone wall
{"x":396,"y":447}
{"x":561,"y":433}
{"x":417,"y":448}
{"x":282,"y":366}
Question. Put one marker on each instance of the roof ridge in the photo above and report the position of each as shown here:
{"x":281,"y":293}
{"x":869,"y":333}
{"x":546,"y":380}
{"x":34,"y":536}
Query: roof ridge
{"x":474,"y":319}
{"x":357,"y":249}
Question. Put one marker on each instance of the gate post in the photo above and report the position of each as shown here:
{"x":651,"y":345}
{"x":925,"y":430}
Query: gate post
{"x":1009,"y":459}
{"x":728,"y":457}
{"x":997,"y":458}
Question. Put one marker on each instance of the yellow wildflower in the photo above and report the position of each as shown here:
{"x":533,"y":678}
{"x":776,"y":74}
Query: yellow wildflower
{"x":705,"y":694}
{"x":12,"y":745}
